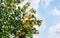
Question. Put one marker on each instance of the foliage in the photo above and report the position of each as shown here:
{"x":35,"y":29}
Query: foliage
{"x":17,"y":22}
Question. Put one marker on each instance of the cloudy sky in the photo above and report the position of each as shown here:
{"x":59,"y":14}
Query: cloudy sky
{"x":49,"y":12}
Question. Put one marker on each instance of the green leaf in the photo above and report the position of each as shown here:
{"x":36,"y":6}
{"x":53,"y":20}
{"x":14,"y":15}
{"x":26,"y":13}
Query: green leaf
{"x":25,"y":7}
{"x":32,"y":10}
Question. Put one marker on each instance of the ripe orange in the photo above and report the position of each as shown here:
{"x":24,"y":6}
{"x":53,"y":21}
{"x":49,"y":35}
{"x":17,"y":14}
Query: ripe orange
{"x":26,"y":25}
{"x":30,"y":16}
{"x":22,"y":33}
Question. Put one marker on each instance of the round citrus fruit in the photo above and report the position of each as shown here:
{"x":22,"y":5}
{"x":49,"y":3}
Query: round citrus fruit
{"x":22,"y":33}
{"x":26,"y":25}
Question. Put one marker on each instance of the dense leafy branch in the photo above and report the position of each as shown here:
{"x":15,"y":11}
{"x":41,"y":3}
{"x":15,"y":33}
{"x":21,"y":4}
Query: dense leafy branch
{"x":17,"y":22}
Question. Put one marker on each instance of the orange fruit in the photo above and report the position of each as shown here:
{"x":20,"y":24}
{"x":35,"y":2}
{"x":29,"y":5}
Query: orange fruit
{"x":30,"y":16}
{"x":26,"y":25}
{"x":22,"y":33}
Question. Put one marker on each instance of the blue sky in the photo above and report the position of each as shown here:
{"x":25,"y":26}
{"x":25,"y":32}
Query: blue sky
{"x":49,"y":12}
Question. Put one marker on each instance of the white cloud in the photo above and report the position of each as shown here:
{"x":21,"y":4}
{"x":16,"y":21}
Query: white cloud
{"x":46,"y":3}
{"x":34,"y":3}
{"x":55,"y":11}
{"x":54,"y":31}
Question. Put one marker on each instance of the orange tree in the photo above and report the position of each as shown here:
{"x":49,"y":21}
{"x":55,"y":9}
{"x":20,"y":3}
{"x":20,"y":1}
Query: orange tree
{"x":17,"y":22}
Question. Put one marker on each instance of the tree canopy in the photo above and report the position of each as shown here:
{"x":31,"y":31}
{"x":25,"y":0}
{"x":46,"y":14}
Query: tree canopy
{"x":17,"y":22}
